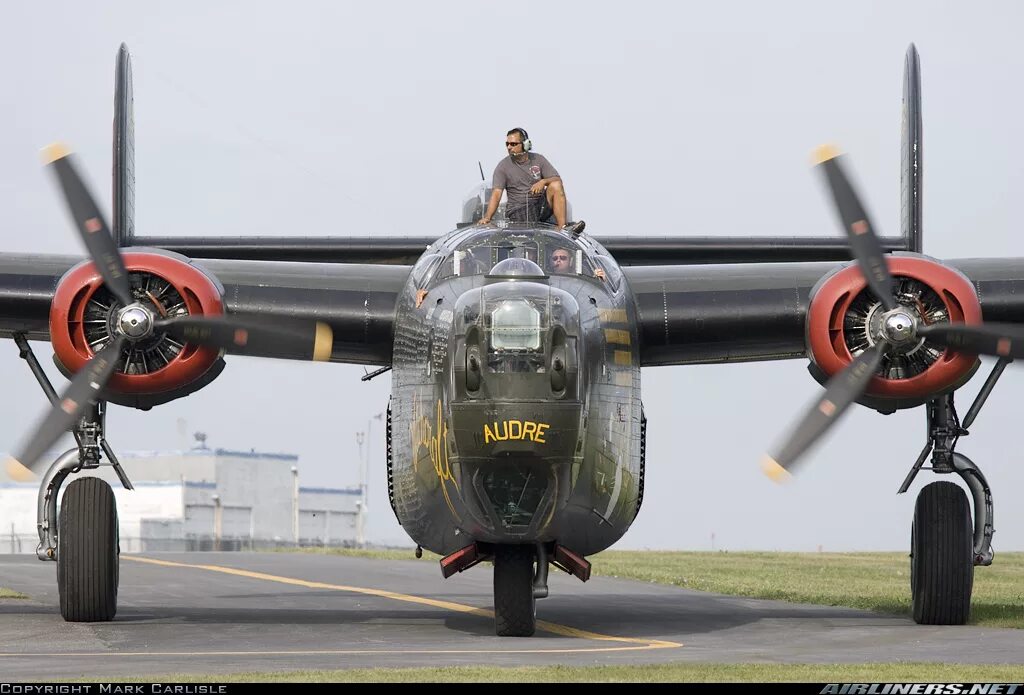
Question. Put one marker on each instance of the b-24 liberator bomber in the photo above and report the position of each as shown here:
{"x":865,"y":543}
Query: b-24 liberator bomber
{"x":515,"y":428}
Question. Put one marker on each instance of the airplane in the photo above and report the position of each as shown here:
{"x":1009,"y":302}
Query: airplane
{"x":515,"y":430}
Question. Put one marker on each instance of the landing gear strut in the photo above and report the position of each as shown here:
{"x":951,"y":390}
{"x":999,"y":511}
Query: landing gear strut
{"x":84,"y":540}
{"x":943,"y":549}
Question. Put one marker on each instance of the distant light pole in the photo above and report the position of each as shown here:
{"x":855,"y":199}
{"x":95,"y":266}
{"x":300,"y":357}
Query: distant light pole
{"x":361,"y":502}
{"x":218,"y":521}
{"x":295,"y":505}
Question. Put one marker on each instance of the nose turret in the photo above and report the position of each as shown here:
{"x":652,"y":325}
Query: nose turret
{"x":515,"y":340}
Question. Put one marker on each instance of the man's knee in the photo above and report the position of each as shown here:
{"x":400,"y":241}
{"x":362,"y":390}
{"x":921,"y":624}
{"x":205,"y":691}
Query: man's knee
{"x":554,"y":192}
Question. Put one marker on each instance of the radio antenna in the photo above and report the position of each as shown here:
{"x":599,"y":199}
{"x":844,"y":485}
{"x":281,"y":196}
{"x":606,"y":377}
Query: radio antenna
{"x":482,"y":177}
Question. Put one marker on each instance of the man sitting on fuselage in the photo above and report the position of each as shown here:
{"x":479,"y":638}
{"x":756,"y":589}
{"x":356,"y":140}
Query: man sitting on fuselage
{"x":535,"y":190}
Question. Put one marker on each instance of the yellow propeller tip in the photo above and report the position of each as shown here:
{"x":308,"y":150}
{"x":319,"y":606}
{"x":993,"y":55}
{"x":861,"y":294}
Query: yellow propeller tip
{"x":774,"y":470}
{"x":323,"y":343}
{"x":51,"y":153}
{"x":17,"y":471}
{"x":825,"y":153}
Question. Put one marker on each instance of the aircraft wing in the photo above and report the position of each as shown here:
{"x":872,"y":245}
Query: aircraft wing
{"x":357,"y":301}
{"x":627,"y":250}
{"x":704,"y":314}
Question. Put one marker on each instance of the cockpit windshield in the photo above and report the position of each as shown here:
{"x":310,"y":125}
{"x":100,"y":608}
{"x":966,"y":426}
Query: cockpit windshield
{"x":554,"y":253}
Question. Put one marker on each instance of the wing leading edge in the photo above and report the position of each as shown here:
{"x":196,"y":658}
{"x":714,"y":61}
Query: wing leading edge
{"x":756,"y":312}
{"x":356,"y":301}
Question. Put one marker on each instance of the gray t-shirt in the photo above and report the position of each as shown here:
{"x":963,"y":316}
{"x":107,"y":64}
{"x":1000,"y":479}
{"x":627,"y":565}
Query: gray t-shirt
{"x":516,"y":178}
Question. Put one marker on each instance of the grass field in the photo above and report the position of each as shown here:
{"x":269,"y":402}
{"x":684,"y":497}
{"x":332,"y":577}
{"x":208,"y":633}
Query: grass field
{"x":651,"y":673}
{"x":873,"y":581}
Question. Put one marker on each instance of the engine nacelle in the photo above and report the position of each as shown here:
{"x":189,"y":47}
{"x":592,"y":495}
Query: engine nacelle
{"x":843,"y":317}
{"x":159,"y":368}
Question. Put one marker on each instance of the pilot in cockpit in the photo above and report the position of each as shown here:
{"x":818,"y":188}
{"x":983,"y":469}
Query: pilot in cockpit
{"x":561,"y":262}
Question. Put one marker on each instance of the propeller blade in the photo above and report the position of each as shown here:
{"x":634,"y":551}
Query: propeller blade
{"x":998,"y":340}
{"x":244,"y":335}
{"x":864,"y":244}
{"x":83,"y":390}
{"x":842,"y":390}
{"x":90,"y":223}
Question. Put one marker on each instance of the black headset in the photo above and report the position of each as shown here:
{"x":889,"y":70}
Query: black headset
{"x":527,"y":145}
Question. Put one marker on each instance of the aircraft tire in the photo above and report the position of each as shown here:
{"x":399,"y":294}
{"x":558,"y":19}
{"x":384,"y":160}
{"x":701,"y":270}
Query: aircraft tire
{"x":515,"y":608}
{"x":88,"y":552}
{"x":941,"y":556}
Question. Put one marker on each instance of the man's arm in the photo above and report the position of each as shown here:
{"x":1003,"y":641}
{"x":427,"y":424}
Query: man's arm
{"x":538,"y":188}
{"x":548,"y":171}
{"x":492,"y":206}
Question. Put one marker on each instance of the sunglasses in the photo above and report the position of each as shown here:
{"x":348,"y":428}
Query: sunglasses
{"x":512,"y":144}
{"x":559,"y":258}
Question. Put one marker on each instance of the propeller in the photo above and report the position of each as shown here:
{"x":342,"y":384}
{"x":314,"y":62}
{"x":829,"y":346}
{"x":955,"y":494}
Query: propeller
{"x":898,"y":327}
{"x":864,"y":244}
{"x":262,"y":336}
{"x":994,"y":339}
{"x":89,"y":222}
{"x":842,"y":391}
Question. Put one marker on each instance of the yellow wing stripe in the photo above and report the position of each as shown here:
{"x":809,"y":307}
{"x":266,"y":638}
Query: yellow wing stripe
{"x":323,"y":343}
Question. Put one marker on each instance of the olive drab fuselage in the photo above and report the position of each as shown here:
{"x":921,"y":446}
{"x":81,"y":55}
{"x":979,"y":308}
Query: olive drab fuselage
{"x":515,"y":413}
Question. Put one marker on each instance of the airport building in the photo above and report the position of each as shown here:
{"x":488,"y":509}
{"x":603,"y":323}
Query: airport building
{"x":203,"y":499}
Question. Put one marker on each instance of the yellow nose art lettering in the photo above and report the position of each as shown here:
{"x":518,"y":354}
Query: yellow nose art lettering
{"x":515,"y":430}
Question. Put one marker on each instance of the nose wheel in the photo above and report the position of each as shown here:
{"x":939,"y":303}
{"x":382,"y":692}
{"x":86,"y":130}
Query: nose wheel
{"x":515,"y":607}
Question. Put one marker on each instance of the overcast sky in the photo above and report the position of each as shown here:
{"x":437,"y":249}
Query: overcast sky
{"x":685,"y":118}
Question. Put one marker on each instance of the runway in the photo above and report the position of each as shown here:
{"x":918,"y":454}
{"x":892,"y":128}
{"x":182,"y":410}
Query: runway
{"x":222,"y":613}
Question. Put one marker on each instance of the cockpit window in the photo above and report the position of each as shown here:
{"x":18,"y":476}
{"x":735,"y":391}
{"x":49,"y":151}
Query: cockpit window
{"x":611,"y":271}
{"x":425,"y":269}
{"x":554,"y":253}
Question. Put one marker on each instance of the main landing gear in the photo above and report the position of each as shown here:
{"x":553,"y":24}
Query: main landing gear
{"x":83,"y":540}
{"x":943,"y":548}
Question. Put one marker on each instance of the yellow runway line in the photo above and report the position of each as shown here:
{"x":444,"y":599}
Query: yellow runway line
{"x":553,"y":628}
